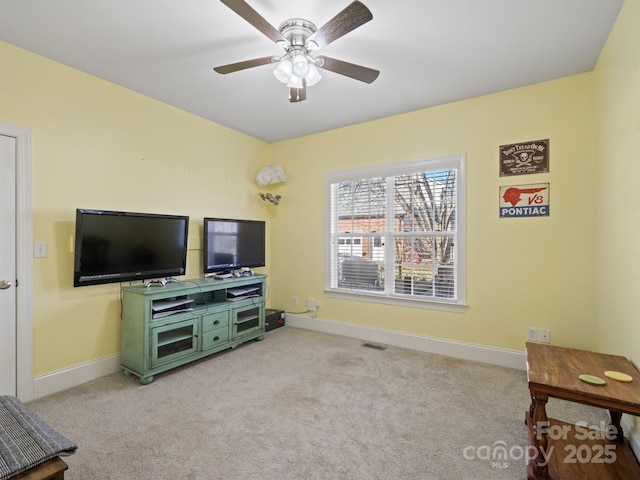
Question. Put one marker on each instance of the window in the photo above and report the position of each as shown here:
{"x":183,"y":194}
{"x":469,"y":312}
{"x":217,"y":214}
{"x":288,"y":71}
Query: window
{"x":396,"y":233}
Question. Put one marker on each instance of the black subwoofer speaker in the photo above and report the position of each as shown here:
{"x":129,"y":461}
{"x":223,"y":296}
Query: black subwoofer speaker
{"x":273,"y":319}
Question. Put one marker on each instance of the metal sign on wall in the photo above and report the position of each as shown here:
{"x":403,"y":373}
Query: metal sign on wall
{"x":524,"y":200}
{"x":524,"y":158}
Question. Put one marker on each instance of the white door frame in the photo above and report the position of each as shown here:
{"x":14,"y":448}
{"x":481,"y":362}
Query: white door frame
{"x":24,"y":261}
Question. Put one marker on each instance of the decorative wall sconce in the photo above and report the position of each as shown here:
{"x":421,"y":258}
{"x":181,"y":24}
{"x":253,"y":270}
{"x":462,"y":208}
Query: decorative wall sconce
{"x":270,"y":175}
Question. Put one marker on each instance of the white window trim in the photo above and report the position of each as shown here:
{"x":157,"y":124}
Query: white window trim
{"x":426,"y":164}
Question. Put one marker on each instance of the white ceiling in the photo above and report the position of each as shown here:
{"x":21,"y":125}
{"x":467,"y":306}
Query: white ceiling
{"x":429,"y":52}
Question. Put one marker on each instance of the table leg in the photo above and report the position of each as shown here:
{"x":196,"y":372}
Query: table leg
{"x":616,"y":416}
{"x":532,"y":405}
{"x":540,"y":426}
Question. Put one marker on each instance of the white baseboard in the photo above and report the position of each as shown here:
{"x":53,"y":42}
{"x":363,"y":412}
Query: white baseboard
{"x":78,"y":374}
{"x":632,"y":435}
{"x":467,"y":351}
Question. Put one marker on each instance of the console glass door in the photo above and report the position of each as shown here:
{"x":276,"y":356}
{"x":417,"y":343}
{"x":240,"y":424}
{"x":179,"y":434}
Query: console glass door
{"x":173,"y":341}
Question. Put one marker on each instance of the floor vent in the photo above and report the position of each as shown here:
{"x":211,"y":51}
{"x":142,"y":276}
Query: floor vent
{"x":375,"y":346}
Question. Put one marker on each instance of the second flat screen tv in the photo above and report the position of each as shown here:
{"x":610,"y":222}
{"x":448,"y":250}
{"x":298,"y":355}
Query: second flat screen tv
{"x":231,"y":244}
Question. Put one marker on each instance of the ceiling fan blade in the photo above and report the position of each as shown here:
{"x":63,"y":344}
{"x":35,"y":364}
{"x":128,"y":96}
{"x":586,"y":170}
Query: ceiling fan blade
{"x":357,"y":72}
{"x":298,"y":94}
{"x":353,"y":16}
{"x":234,"y":67}
{"x":243,"y":9}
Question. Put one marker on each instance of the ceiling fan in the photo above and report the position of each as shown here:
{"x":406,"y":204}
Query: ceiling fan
{"x":298,"y":68}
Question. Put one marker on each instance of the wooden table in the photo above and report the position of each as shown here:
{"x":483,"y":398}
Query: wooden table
{"x":567,"y":452}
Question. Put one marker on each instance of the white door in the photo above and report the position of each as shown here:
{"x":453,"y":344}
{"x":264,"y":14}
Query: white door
{"x":8,"y":319}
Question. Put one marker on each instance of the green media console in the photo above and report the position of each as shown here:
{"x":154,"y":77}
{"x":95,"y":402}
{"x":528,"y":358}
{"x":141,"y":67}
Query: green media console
{"x":167,"y":326}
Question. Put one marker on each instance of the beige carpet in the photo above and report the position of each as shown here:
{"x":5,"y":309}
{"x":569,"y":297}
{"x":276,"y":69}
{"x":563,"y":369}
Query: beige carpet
{"x":303,"y":405}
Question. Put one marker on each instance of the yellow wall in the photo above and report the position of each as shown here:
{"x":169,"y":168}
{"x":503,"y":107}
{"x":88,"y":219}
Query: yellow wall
{"x":521,"y":272}
{"x":618,"y":187}
{"x":97,"y":145}
{"x":617,"y":81}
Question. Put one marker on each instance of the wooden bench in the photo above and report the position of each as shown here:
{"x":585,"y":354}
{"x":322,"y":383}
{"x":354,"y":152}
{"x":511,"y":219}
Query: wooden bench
{"x":29,"y":448}
{"x":50,"y":470}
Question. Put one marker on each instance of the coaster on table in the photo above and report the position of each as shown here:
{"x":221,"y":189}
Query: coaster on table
{"x":619,"y":376}
{"x":591,"y":379}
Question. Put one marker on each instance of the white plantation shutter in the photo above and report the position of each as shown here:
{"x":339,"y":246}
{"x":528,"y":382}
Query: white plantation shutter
{"x":397,"y":231}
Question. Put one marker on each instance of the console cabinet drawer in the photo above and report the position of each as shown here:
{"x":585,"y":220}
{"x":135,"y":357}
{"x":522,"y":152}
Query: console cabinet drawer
{"x":216,"y":337}
{"x":215,"y":320}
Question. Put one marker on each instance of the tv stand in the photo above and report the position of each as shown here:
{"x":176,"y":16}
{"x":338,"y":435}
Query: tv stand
{"x":185,"y":321}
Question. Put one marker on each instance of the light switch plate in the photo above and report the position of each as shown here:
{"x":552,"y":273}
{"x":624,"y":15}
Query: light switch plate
{"x":40,"y":249}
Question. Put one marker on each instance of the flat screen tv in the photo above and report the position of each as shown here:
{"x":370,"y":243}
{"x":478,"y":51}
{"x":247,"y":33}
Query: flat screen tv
{"x":124,"y":246}
{"x":233,"y":244}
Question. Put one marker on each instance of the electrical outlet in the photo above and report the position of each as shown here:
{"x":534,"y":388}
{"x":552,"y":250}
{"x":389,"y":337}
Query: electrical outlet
{"x":311,"y":304}
{"x":545,"y":335}
{"x":532,"y":334}
{"x":294,"y":301}
{"x":317,"y":304}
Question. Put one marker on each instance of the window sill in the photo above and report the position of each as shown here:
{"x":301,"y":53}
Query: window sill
{"x":400,"y":301}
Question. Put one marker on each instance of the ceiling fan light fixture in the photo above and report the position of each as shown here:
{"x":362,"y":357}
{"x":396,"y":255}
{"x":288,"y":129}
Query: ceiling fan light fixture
{"x":300,"y":66}
{"x":283,"y":71}
{"x":296,"y":82}
{"x":314,"y":76}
